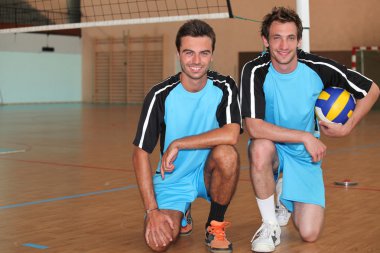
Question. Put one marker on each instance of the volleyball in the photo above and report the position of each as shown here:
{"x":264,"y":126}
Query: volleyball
{"x":335,"y":105}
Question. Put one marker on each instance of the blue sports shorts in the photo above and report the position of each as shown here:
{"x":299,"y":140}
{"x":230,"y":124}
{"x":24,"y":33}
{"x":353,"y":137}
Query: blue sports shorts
{"x":180,"y":194}
{"x":302,"y":178}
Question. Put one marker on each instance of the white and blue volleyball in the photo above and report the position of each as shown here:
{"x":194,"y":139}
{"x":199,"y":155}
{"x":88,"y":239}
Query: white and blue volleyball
{"x":335,"y":105}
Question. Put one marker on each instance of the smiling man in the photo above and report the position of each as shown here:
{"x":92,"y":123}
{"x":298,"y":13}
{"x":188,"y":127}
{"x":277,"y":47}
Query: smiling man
{"x":278,"y":94}
{"x":197,"y":117}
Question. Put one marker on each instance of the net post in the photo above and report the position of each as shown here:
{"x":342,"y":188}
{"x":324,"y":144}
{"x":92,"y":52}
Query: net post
{"x":229,"y":7}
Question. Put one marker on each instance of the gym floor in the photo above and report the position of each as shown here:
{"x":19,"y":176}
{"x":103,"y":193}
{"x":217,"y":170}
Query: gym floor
{"x":68,"y":185}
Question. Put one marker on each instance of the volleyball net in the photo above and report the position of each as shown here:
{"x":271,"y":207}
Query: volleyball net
{"x":47,"y":15}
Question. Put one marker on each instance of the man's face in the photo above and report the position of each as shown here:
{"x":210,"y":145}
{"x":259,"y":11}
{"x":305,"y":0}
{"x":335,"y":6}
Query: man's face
{"x":195,"y":57}
{"x":283,"y":45}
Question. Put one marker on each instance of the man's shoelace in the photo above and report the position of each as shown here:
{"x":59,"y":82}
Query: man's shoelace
{"x":263,"y":232}
{"x":219,"y":230}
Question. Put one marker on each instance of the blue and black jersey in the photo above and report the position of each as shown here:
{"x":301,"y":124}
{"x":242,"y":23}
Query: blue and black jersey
{"x":288,"y":100}
{"x":330,"y":73}
{"x":171,"y":112}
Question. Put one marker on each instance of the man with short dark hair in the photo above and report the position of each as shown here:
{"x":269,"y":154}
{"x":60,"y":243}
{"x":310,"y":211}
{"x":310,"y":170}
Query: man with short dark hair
{"x":197,"y":117}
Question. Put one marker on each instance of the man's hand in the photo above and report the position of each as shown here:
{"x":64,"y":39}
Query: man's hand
{"x":168,"y":158}
{"x":315,"y":147}
{"x":159,"y":228}
{"x":335,"y":130}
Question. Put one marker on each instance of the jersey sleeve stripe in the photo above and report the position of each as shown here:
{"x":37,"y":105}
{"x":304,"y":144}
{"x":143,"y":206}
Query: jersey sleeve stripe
{"x":355,"y":87}
{"x":239,"y":106}
{"x":241,"y":84}
{"x":146,"y":121}
{"x":360,"y":75}
{"x":229,"y":101}
{"x":252,"y":88}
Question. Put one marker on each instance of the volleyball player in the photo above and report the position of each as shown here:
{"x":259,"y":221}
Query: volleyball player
{"x":197,"y":117}
{"x":278,"y":94}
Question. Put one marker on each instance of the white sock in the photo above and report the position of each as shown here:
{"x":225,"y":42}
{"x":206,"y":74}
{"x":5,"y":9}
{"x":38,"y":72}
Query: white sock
{"x":267,"y":209}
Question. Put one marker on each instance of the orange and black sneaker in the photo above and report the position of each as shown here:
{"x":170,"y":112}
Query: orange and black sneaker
{"x":187,"y":224}
{"x":216,"y":237}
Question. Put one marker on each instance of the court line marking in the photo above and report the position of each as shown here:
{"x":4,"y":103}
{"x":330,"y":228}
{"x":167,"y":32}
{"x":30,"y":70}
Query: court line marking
{"x":135,"y":186}
{"x":353,"y":188}
{"x":36,"y":246}
{"x":4,"y":151}
{"x":67,"y":197}
{"x":65,"y":164}
{"x":333,"y":151}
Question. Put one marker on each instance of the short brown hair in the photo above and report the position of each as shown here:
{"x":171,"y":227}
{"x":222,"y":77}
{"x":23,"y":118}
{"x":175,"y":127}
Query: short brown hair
{"x":195,"y":28}
{"x":282,"y":15}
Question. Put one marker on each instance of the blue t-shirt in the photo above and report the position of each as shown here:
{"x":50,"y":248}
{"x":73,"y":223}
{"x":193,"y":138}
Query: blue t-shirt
{"x":189,"y":113}
{"x":290,"y":98}
{"x":288,"y":101}
{"x":170,"y":112}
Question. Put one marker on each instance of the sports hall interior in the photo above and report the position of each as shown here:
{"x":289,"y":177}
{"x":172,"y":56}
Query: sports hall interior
{"x":68,"y":117}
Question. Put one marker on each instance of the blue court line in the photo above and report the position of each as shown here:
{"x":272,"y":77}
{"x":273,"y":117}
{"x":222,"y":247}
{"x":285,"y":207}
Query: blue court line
{"x":338,"y":150}
{"x":67,"y":197}
{"x":10,"y":150}
{"x":36,"y":246}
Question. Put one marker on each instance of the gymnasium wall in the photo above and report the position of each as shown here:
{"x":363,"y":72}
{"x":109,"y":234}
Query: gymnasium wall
{"x":28,"y":75}
{"x":335,"y":26}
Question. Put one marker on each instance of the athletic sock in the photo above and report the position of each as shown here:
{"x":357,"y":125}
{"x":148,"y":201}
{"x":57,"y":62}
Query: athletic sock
{"x":217,"y":212}
{"x":267,"y":209}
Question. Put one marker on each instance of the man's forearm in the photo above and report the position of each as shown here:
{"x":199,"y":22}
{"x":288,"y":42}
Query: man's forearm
{"x":143,"y":173}
{"x":227,"y":135}
{"x":259,"y":129}
{"x":363,"y":106}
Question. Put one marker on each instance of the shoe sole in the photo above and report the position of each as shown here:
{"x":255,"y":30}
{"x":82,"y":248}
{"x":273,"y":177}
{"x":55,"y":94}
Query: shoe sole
{"x":263,"y":249}
{"x":283,"y":224}
{"x":266,"y":248}
{"x":217,"y":250}
{"x":186,"y":234}
{"x":191,"y":224}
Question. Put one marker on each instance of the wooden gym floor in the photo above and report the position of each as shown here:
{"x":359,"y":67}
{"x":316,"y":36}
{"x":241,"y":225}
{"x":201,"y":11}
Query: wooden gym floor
{"x":67,"y":185}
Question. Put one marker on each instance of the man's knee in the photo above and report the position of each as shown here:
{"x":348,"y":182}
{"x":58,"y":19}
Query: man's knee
{"x":308,"y":219}
{"x":226,"y":158}
{"x":309,"y":233}
{"x":261,"y":154}
{"x":158,"y":244}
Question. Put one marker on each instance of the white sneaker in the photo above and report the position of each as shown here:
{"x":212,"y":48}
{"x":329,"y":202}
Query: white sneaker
{"x":266,"y":238}
{"x":282,"y":214}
